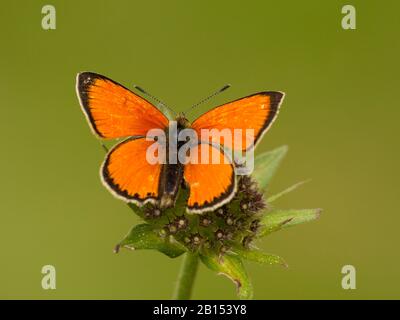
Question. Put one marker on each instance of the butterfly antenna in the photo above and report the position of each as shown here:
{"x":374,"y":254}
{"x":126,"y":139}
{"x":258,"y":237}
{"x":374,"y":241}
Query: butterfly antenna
{"x":104,"y":146}
{"x":153,"y":97}
{"x":225,"y":87}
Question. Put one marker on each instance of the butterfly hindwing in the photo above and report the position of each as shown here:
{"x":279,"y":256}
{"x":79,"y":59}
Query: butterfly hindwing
{"x":211,"y":184}
{"x":257,"y":112}
{"x":114,"y":111}
{"x":129,"y":175}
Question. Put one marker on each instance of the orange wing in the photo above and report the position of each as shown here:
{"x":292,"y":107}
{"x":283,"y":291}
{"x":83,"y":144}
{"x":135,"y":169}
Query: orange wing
{"x":257,"y":112}
{"x":127,"y":173}
{"x":113,"y":111}
{"x":211,"y":185}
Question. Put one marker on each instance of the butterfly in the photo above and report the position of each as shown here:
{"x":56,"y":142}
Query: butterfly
{"x":115,"y":112}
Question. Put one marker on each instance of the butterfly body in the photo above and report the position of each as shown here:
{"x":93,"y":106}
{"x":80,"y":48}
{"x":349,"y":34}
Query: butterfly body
{"x":114,"y":112}
{"x":172,"y":173}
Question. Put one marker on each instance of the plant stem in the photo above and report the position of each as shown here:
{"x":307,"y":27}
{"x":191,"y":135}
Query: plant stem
{"x":186,"y":277}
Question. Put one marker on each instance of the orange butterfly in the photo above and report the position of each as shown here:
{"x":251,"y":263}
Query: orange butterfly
{"x":114,"y":111}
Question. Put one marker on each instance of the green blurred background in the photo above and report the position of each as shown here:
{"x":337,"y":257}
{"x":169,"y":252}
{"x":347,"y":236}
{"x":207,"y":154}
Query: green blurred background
{"x":340,"y":120}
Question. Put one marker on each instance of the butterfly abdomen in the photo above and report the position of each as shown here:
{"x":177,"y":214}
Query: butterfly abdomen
{"x":171,"y":179}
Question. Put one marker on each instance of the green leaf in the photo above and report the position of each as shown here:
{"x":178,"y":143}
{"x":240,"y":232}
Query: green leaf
{"x":143,"y":236}
{"x":286,"y":191}
{"x":279,"y":219}
{"x":137,"y":210}
{"x":260,"y":257}
{"x":266,"y":165}
{"x":232,"y":267}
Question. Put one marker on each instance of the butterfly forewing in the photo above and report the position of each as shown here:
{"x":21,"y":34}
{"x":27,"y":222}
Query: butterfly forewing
{"x":256,"y":112}
{"x":113,"y":111}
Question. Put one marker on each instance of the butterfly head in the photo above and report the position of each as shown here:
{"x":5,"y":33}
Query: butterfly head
{"x":182,"y":121}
